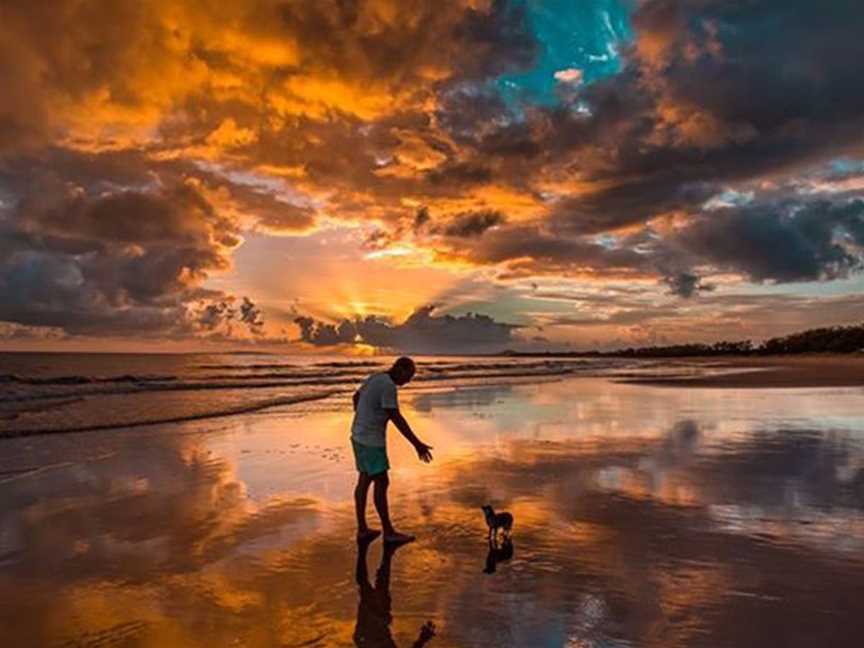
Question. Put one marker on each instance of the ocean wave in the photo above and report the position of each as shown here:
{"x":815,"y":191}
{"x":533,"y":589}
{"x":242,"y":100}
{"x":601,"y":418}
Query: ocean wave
{"x":346,"y":364}
{"x":145,"y":388}
{"x":11,"y":410}
{"x":215,"y":413}
{"x":422,"y":365}
{"x":438,"y":367}
{"x":44,"y":389}
{"x":36,"y":404}
{"x":290,"y":375}
{"x":236,"y":367}
{"x":350,"y":363}
{"x":81,"y":380}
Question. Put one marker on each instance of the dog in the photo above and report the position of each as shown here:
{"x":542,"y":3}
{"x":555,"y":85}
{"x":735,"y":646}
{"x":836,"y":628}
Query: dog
{"x":495,"y":521}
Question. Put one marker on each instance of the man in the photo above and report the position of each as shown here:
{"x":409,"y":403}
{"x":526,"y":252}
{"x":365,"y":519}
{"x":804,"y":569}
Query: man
{"x":375,"y":404}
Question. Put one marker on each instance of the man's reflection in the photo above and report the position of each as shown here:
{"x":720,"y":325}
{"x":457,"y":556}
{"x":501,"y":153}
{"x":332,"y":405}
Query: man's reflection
{"x":373,"y":611}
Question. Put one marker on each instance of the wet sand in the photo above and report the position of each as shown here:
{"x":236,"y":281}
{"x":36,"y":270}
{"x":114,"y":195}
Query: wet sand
{"x":643,"y":517}
{"x":771,"y":372}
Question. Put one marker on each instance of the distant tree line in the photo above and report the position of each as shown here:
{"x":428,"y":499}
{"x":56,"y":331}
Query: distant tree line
{"x":833,"y":339}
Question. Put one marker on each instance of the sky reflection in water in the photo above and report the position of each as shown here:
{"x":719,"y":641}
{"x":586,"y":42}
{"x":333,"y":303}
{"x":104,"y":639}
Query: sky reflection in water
{"x":644,"y":517}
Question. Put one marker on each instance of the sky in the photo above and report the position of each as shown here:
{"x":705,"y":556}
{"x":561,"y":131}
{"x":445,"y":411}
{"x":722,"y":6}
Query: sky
{"x":444,"y":177}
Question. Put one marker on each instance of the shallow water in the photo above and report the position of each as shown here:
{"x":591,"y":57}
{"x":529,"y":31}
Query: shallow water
{"x":644,"y":517}
{"x":64,"y":392}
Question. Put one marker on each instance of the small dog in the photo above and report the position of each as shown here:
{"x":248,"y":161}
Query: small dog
{"x":503,"y":521}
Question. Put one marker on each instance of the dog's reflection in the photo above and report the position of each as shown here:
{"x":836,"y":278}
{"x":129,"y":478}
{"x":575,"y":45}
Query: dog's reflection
{"x":498,"y":554}
{"x":374,"y":610}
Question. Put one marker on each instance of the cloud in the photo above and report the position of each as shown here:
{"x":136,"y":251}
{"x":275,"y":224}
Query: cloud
{"x":12,"y":331}
{"x":684,"y":284}
{"x":423,"y":331}
{"x":102,"y":260}
{"x":569,"y":75}
{"x":472,"y":224}
{"x":221,"y":315}
{"x":785,"y":242}
{"x":528,"y":250}
{"x":462,"y":225}
{"x":598,"y":321}
{"x":699,"y":106}
{"x":141,"y":145}
{"x":360,"y":58}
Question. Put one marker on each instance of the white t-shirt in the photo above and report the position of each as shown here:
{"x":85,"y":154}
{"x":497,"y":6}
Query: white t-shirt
{"x":377,"y":394}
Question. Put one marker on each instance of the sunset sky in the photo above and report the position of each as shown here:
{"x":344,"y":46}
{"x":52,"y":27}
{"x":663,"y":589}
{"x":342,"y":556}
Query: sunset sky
{"x":447,"y":175}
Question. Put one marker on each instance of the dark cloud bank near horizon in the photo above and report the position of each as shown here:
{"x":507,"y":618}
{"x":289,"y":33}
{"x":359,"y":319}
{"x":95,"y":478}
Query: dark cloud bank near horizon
{"x":421,"y":332}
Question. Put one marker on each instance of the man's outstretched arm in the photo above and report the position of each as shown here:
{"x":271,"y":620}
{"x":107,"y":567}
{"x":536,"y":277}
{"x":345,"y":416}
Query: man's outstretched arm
{"x":423,"y":450}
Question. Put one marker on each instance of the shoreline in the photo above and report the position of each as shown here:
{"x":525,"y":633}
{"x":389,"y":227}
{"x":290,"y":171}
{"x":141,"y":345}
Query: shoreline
{"x":770,"y":372}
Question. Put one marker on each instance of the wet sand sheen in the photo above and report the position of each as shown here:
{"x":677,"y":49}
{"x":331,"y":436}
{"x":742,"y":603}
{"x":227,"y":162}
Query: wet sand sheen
{"x":772,"y":372}
{"x":644,"y":517}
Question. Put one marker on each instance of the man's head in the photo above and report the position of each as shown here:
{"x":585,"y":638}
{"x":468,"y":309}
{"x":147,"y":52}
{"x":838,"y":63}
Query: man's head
{"x":402,"y":370}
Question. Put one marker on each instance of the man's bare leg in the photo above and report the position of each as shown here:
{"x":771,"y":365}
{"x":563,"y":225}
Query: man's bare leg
{"x":381,"y":482}
{"x":360,"y":493}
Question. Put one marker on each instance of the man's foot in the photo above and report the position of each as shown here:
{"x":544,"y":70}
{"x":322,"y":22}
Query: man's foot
{"x":394,"y":537}
{"x":367,"y":535}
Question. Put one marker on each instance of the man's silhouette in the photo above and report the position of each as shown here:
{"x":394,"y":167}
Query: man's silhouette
{"x":373,"y":612}
{"x":375,"y":404}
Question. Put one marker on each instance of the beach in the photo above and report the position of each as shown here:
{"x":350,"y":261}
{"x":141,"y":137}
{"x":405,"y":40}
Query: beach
{"x":666,"y":512}
{"x":764,"y":372}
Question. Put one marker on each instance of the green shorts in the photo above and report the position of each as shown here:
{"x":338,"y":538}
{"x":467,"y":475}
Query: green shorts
{"x":371,"y":460}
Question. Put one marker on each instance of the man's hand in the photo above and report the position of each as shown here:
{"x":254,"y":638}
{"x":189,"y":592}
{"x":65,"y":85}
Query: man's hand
{"x":403,"y":427}
{"x":423,"y":451}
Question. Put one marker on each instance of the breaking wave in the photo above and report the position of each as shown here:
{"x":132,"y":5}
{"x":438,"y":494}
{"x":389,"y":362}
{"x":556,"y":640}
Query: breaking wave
{"x":100,"y":393}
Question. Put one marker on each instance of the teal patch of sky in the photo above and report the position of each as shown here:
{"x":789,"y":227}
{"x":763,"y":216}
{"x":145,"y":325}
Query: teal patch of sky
{"x":582,"y":35}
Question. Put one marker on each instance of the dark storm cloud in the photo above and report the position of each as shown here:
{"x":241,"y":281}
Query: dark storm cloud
{"x":628,"y":203}
{"x":463,"y":225}
{"x":467,"y":110}
{"x":324,"y":334}
{"x":704,"y":102}
{"x":459,"y":174}
{"x":712,"y":94}
{"x":472,"y":224}
{"x":779,"y":242}
{"x":223,"y":313}
{"x":685,"y":284}
{"x":102,"y":260}
{"x":806,"y":238}
{"x":762,"y":65}
{"x":423,"y":331}
{"x":537,"y":250}
{"x":409,"y":34}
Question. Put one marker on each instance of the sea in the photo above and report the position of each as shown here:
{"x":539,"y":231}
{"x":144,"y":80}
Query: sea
{"x":43,"y":393}
{"x":207,"y":500}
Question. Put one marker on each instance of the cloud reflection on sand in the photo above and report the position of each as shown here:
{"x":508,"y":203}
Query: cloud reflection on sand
{"x":643,"y":517}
